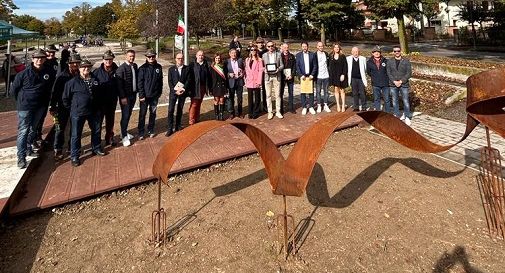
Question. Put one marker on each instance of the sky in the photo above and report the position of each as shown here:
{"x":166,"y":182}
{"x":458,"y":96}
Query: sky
{"x":45,"y":9}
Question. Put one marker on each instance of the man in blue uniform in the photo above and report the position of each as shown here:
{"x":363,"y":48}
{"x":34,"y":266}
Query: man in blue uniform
{"x":150,"y":88}
{"x":32,"y":90}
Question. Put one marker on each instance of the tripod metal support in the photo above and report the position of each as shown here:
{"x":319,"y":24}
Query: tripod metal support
{"x":491,"y":187}
{"x":283,"y":236}
{"x":158,"y":221}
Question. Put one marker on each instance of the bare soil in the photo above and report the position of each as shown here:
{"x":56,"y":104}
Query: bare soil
{"x":371,"y":206}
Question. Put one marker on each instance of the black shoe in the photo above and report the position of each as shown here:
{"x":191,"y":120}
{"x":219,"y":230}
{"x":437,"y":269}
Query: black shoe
{"x":58,"y":155}
{"x":32,"y":154}
{"x":76,"y":162}
{"x":22,"y":163}
{"x":355,"y":110}
{"x":168,"y":133}
{"x":99,"y":153}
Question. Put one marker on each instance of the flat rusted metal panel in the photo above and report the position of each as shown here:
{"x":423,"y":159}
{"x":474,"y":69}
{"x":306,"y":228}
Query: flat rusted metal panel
{"x":57,"y":192}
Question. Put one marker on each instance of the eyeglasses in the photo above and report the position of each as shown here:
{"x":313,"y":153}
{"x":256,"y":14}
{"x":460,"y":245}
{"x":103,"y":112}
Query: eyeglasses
{"x":151,"y":57}
{"x":178,"y":58}
{"x":253,"y":50}
{"x":270,"y":46}
{"x":396,"y":51}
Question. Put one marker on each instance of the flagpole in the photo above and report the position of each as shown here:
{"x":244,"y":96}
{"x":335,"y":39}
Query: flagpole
{"x":186,"y":36}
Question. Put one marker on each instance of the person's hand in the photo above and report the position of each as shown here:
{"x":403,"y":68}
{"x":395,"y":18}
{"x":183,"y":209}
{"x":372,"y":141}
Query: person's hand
{"x":124,"y":101}
{"x":180,"y":91}
{"x":303,"y":78}
{"x":231,"y":75}
{"x":288,"y":78}
{"x":142,"y":99}
{"x":342,"y":78}
{"x":311,"y":77}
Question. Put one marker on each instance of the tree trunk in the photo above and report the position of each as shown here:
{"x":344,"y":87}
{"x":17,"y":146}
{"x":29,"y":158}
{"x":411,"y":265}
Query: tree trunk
{"x":474,"y":36}
{"x":323,"y":34}
{"x":254,"y":32}
{"x":404,"y":44}
{"x":279,"y":34}
{"x":299,"y":19}
{"x":197,"y":40}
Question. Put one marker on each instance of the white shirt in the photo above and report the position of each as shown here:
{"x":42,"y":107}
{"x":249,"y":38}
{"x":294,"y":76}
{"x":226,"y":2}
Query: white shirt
{"x":234,"y":65}
{"x":322,"y":69}
{"x":306,"y":62}
{"x":271,"y":57}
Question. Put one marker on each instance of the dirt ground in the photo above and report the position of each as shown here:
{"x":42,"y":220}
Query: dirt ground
{"x":371,"y":206}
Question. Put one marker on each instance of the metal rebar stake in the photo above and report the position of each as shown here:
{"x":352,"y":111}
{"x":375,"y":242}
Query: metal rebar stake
{"x":491,"y":188}
{"x":159,"y":221}
{"x":284,"y":230}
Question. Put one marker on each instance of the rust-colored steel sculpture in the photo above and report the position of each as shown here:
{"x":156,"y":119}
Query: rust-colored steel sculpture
{"x":289,"y":177}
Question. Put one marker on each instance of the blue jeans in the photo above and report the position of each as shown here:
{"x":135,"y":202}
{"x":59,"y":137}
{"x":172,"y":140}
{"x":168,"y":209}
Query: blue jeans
{"x":152,"y":104}
{"x":305,"y":103}
{"x":77,"y":123}
{"x":405,"y":99}
{"x":126,"y":113}
{"x":379,"y":91}
{"x":322,"y":84}
{"x":28,"y":122}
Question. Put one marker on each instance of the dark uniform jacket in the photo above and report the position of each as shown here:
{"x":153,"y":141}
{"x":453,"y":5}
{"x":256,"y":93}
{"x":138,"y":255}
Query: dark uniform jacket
{"x":235,"y":82}
{"x":58,"y":87}
{"x":202,"y":79}
{"x":78,"y":96}
{"x":53,"y":65}
{"x":150,"y":80}
{"x":185,"y":78}
{"x":379,"y":76}
{"x":107,"y":85}
{"x":32,"y":89}
{"x":125,"y":79}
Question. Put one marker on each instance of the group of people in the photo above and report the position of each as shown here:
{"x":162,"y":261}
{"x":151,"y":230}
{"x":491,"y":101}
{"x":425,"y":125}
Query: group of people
{"x":74,"y":95}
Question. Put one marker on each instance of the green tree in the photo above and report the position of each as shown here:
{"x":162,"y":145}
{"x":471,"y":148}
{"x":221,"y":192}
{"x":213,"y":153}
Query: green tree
{"x":100,"y":19}
{"x":77,"y":20}
{"x":36,"y":25}
{"x":22,"y":21}
{"x":127,"y":14}
{"x":474,"y":12}
{"x":322,"y":12}
{"x":6,"y":8}
{"x":397,"y":9}
{"x":53,"y":27}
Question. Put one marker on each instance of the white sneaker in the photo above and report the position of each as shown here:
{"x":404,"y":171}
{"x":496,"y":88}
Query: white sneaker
{"x":326,"y":108}
{"x":402,"y":117}
{"x":279,"y":115}
{"x":407,"y":121}
{"x":304,"y":111}
{"x":319,"y":108}
{"x":312,"y":111}
{"x":129,"y":136}
{"x":126,"y":141}
{"x":270,"y":116}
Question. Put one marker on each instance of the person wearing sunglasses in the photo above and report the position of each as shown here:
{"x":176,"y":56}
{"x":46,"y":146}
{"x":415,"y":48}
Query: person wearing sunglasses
{"x":127,"y":77}
{"x":150,"y":86}
{"x":399,"y":71}
{"x":273,"y":70}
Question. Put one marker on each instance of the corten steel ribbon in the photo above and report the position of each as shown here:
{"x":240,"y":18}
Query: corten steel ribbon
{"x":289,"y":177}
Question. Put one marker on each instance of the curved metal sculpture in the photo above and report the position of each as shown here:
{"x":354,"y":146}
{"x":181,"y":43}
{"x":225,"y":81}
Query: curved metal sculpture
{"x":289,"y":177}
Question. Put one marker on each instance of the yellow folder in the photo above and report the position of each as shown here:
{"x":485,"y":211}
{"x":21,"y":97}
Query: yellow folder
{"x":306,"y":86}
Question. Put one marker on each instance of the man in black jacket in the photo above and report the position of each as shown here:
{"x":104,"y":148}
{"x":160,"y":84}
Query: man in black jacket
{"x":376,"y":68}
{"x":150,"y":88}
{"x":32,"y":90}
{"x":287,"y":77}
{"x":107,"y":95}
{"x":80,"y":97}
{"x":127,"y":75}
{"x":60,"y":113}
{"x":201,"y":86}
{"x":180,"y":77}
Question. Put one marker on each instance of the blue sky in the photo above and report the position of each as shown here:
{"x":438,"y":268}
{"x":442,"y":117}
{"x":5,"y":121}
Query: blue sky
{"x":45,"y":9}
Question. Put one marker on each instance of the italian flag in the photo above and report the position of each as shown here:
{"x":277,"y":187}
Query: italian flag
{"x":181,"y":27}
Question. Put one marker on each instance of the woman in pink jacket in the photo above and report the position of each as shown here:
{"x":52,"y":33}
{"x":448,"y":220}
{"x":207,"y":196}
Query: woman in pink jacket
{"x":253,"y":77}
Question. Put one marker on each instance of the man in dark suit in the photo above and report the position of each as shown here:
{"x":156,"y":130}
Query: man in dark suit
{"x":127,"y":88}
{"x":306,"y":67}
{"x":202,"y":85}
{"x":180,"y":78}
{"x":235,"y":68}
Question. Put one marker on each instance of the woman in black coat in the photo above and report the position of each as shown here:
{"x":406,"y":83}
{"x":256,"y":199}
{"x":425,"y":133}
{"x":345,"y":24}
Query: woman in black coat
{"x":219,"y":85}
{"x":337,"y":68}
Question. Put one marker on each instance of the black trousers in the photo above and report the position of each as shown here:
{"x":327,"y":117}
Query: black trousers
{"x":238,"y":91}
{"x":253,"y":97}
{"x":358,"y":94}
{"x":172,"y":101}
